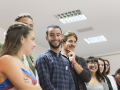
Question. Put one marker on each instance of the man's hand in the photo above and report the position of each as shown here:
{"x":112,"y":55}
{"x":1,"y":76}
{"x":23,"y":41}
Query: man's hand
{"x":71,"y":55}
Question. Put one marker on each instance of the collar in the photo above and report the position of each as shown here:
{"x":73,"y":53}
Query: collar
{"x":64,"y":55}
{"x":54,"y":53}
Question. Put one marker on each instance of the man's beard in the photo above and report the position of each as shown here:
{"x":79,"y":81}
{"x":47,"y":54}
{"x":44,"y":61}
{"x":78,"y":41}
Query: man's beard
{"x":55,"y":47}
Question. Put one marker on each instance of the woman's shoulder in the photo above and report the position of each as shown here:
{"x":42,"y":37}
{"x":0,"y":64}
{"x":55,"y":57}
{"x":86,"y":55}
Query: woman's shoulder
{"x":6,"y":60}
{"x":8,"y":63}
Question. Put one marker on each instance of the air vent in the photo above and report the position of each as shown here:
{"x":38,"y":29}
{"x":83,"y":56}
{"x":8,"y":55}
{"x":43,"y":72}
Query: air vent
{"x":85,"y":29}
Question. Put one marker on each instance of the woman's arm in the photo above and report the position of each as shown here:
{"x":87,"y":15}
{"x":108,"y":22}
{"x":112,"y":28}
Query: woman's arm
{"x":13,"y":72}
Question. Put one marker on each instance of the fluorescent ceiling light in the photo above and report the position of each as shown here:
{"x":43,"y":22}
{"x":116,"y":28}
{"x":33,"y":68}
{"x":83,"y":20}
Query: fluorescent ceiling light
{"x":95,"y":39}
{"x":72,"y":16}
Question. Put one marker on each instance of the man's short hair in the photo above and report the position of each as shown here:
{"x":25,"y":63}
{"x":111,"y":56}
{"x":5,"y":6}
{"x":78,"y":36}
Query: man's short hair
{"x":118,"y":71}
{"x":22,"y":16}
{"x":52,"y":26}
{"x":67,"y":34}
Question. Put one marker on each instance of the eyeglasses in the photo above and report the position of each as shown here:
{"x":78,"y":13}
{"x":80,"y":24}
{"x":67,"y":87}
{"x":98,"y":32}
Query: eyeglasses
{"x":107,"y":64}
{"x":91,"y":63}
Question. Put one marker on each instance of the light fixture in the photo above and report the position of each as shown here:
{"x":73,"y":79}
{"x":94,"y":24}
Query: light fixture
{"x":72,"y":16}
{"x":95,"y":39}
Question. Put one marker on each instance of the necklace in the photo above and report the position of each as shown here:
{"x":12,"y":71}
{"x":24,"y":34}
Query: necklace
{"x":20,"y":58}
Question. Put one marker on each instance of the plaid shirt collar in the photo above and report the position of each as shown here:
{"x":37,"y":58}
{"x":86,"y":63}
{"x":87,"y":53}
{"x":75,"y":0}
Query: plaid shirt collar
{"x":54,"y":53}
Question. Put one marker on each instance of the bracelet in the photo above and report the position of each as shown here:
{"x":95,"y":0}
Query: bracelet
{"x":74,"y":62}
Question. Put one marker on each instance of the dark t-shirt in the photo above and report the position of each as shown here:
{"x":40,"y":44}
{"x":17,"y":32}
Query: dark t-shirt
{"x":84,"y":76}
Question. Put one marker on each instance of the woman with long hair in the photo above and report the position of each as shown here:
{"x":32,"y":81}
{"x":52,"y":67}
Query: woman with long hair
{"x":110,"y":79}
{"x":107,"y":66}
{"x":97,"y":81}
{"x":19,"y":41}
{"x":102,"y":67}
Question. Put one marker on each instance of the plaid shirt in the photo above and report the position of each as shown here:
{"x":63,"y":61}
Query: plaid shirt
{"x":54,"y":72}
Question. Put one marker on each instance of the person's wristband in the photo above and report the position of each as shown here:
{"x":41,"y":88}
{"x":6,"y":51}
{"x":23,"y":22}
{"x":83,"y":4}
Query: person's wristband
{"x":74,"y":62}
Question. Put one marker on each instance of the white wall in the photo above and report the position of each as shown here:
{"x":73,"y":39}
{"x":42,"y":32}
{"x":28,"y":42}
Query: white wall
{"x":37,"y":51}
{"x":2,"y":34}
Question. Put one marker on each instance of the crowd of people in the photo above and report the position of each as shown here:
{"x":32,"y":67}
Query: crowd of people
{"x":54,"y":69}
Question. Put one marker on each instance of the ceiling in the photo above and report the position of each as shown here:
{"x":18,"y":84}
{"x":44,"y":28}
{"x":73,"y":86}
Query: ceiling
{"x":102,"y":15}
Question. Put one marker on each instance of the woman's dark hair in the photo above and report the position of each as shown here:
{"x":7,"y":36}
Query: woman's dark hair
{"x":109,"y":67}
{"x":103,"y":73}
{"x":12,"y":42}
{"x":98,"y":74}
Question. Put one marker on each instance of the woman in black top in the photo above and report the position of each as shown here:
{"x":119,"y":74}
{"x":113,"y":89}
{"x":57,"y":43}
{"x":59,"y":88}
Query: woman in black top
{"x":108,"y":77}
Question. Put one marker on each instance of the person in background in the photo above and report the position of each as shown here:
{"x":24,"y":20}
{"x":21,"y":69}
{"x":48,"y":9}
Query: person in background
{"x":107,"y":65}
{"x":110,"y":80}
{"x":97,"y":81}
{"x":78,"y":65}
{"x":19,"y":41}
{"x":27,"y":59}
{"x":53,"y":69}
{"x":117,"y":78}
{"x":102,"y":66}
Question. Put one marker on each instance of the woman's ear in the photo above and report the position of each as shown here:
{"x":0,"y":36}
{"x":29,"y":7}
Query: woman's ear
{"x":46,"y":38}
{"x":22,"y":39}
